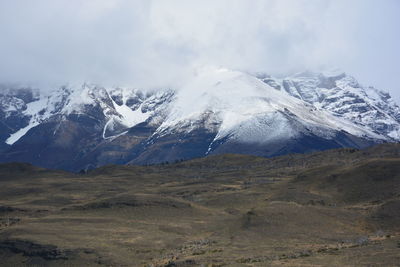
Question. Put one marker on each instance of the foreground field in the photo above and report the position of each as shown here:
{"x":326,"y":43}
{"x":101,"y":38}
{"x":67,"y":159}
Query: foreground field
{"x":333,"y":208}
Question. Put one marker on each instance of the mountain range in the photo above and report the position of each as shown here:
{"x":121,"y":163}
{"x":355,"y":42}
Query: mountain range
{"x":214,"y":112}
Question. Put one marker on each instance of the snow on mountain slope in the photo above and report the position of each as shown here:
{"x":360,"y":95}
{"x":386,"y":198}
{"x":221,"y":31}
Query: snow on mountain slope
{"x":130,"y":113}
{"x":344,"y":97}
{"x":248,"y":109}
{"x":228,"y":103}
{"x":33,"y":110}
{"x":121,"y":108}
{"x":38,"y":110}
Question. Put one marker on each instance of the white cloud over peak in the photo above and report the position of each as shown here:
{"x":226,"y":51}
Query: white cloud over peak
{"x":156,"y":43}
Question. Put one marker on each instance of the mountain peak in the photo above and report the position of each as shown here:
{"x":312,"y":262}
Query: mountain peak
{"x":215,"y":111}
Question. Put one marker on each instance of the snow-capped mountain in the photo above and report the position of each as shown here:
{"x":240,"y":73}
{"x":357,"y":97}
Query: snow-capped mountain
{"x":216,"y":111}
{"x":344,"y":97}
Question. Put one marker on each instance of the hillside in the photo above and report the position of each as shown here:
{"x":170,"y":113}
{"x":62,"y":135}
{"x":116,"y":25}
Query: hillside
{"x":333,"y":208}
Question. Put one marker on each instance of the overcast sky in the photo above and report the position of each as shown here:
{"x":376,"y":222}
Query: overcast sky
{"x":157,"y":43}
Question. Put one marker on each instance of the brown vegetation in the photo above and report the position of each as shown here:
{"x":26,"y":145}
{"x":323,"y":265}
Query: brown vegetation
{"x":334,"y":208}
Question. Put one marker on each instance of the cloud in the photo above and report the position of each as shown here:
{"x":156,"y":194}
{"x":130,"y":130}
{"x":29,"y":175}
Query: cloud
{"x":157,"y":43}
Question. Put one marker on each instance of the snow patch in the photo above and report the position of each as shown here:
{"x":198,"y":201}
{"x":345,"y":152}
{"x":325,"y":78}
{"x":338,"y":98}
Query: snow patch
{"x":21,"y":132}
